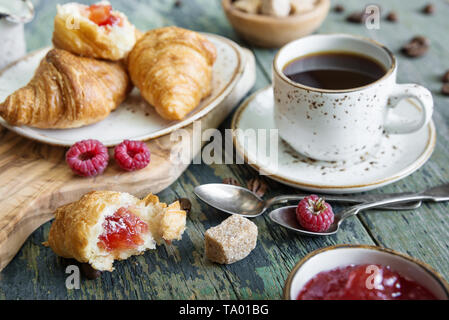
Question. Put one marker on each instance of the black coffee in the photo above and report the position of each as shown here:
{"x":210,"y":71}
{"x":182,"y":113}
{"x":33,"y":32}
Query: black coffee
{"x":334,"y":70}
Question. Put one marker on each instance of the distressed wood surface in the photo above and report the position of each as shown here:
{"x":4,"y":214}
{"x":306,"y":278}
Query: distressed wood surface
{"x":36,"y":183}
{"x":181,"y":271}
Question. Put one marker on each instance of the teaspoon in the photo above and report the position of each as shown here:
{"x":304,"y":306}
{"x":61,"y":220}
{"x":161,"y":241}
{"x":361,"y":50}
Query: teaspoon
{"x":237,"y":200}
{"x":286,"y":216}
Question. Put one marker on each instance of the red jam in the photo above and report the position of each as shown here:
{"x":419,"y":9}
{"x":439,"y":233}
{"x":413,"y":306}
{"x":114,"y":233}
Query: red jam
{"x":101,"y":14}
{"x":122,"y":230}
{"x":363,"y":282}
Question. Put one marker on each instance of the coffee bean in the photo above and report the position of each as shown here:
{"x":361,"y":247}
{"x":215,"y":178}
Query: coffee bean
{"x":422,"y":39}
{"x":339,"y":8}
{"x":392,"y":16}
{"x":416,"y":47}
{"x":231,"y":181}
{"x":65,"y":262}
{"x":414,"y":50}
{"x":357,"y":17}
{"x":86,"y":269}
{"x":185,"y":204}
{"x":258,"y":186}
{"x":446,"y":77}
{"x":89,"y":272}
{"x":445,"y":89}
{"x":429,"y":9}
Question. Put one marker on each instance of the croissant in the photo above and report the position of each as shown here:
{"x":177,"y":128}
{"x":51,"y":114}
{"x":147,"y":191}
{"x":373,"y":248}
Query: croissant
{"x":172,"y":67}
{"x":67,"y":91}
{"x":104,"y":226}
{"x":94,"y":31}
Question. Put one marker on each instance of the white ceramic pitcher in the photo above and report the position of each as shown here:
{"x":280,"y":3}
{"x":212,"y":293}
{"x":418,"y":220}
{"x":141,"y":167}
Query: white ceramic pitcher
{"x":13,"y":15}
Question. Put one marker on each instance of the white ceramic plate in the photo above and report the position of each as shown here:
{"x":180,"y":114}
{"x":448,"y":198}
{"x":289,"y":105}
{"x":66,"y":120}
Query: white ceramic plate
{"x":399,"y":156}
{"x":135,"y":119}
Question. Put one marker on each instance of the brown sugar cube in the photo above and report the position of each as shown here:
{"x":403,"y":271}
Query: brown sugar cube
{"x":231,"y":241}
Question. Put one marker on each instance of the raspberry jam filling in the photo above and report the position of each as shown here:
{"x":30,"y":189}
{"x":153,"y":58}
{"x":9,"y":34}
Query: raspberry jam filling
{"x":122,"y":230}
{"x":363,"y":282}
{"x":101,"y":14}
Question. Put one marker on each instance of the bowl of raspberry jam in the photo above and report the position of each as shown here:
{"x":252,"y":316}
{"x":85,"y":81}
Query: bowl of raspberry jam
{"x":360,"y":272}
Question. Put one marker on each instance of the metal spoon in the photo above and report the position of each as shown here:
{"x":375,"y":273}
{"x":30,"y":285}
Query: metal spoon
{"x":286,"y":216}
{"x":238,"y":200}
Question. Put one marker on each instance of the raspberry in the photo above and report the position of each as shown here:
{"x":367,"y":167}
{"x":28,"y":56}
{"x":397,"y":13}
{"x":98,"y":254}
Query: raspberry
{"x":314,"y":214}
{"x":87,"y":158}
{"x":132,"y":155}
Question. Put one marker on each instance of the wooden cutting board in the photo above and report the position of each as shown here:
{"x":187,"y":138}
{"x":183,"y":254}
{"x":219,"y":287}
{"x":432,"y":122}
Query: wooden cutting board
{"x":35,"y":180}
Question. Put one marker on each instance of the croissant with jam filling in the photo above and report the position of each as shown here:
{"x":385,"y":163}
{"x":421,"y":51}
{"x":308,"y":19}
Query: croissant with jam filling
{"x":94,"y":31}
{"x":104,"y":226}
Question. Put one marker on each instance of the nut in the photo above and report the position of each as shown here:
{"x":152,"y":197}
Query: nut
{"x":248,"y":6}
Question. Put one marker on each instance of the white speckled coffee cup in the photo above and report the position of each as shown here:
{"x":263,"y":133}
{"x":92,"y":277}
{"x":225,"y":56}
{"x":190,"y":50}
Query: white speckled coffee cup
{"x":335,"y":125}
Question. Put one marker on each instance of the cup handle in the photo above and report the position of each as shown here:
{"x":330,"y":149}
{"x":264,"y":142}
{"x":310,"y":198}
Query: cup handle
{"x":404,"y":91}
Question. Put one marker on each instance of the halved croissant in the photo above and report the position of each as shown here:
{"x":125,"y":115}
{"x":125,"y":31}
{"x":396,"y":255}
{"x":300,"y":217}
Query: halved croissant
{"x":76,"y":31}
{"x":172,"y":67}
{"x":67,"y":91}
{"x":83,"y":229}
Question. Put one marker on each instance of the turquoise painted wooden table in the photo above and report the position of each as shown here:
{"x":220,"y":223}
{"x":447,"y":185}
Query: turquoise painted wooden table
{"x":181,"y":271}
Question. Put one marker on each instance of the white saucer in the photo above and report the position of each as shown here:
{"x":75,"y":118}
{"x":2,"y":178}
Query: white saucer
{"x":134,"y":119}
{"x":398,"y":157}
